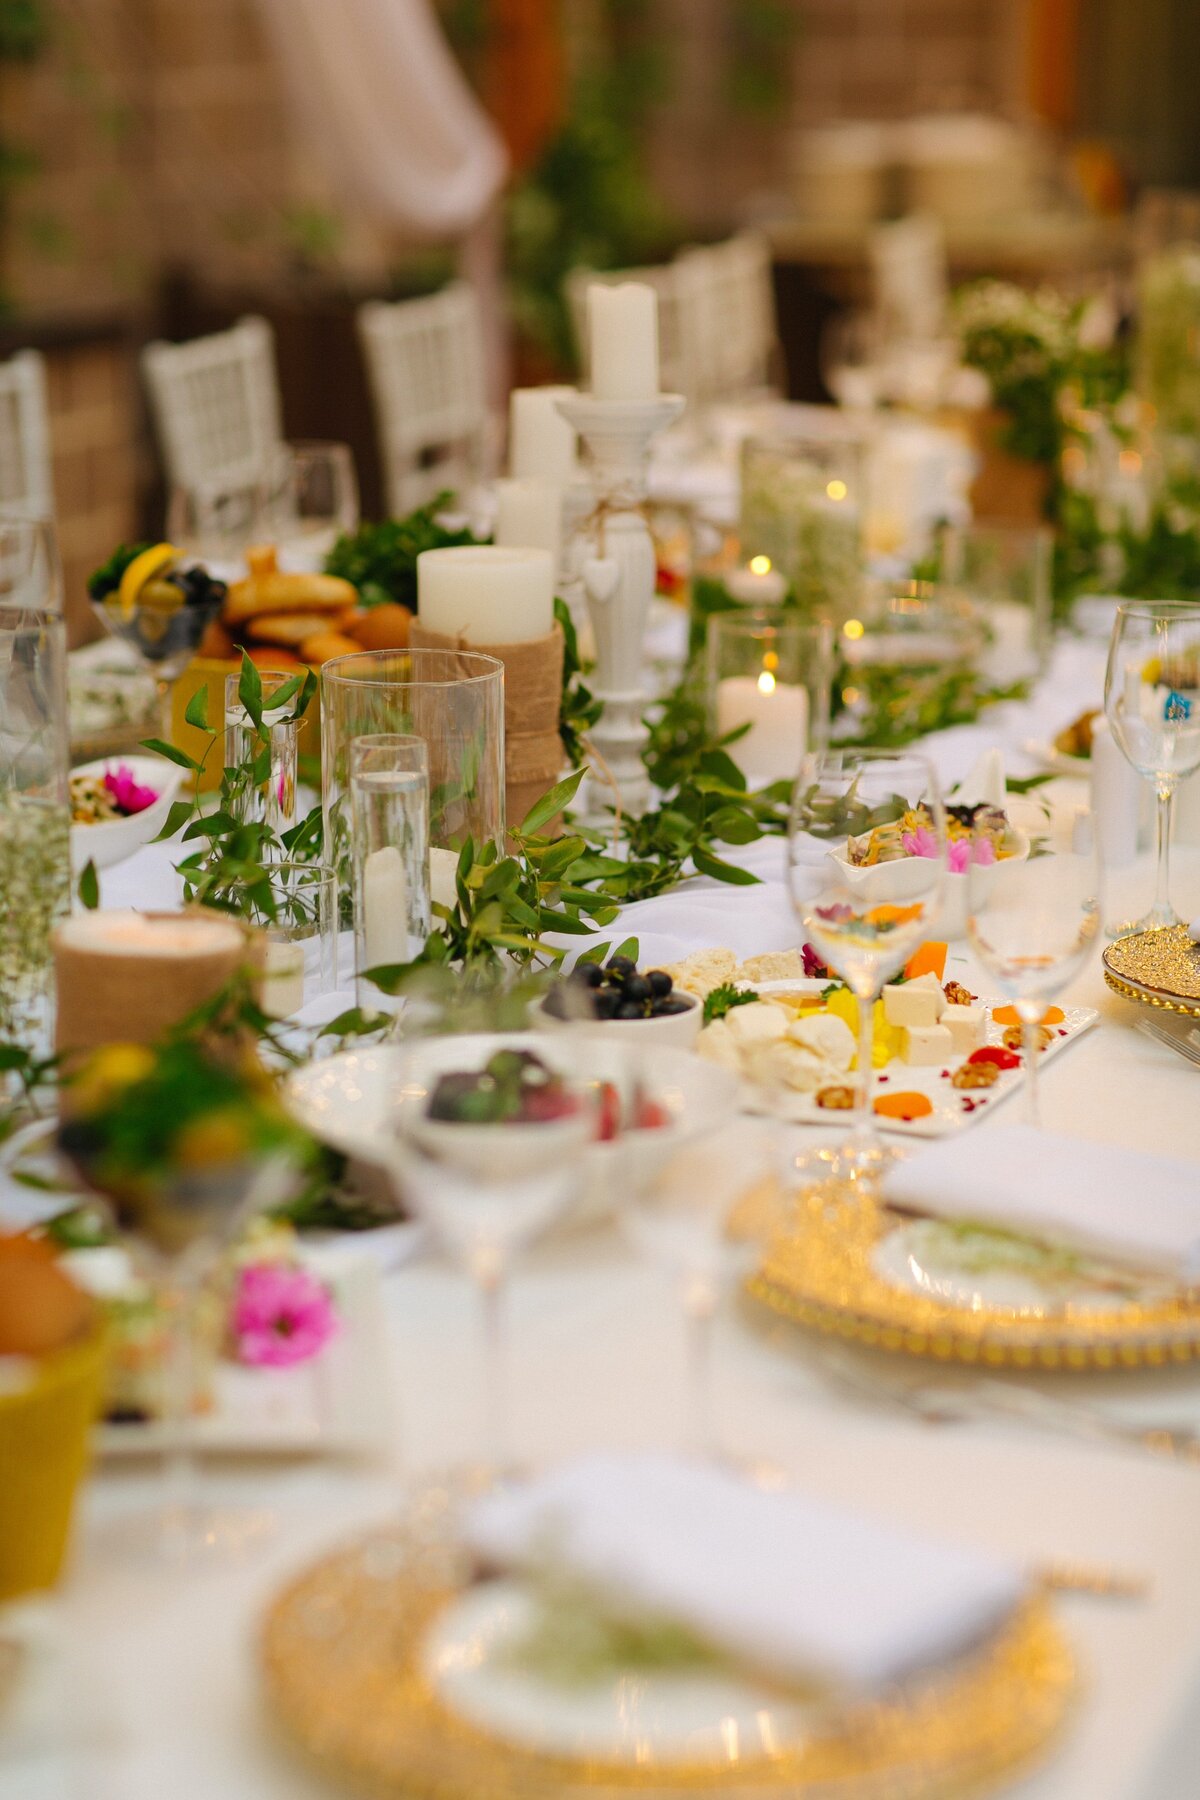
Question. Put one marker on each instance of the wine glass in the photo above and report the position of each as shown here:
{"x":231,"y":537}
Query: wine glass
{"x":315,"y":499}
{"x":705,"y":1216}
{"x":1033,"y":924}
{"x":865,"y":918}
{"x":493,"y":1133}
{"x":30,"y":568}
{"x":1152,"y":700}
{"x":214,"y":521}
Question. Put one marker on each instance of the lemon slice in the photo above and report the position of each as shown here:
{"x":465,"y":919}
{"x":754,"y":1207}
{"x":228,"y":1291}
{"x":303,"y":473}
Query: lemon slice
{"x":142,"y":569}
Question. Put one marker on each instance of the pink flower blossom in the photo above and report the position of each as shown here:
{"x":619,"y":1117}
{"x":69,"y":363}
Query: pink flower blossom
{"x":921,"y":842}
{"x":125,"y":791}
{"x":281,"y":1315}
{"x":813,"y":966}
{"x":958,"y":856}
{"x":984,"y":852}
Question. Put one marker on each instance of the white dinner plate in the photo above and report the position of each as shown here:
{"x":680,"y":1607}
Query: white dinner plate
{"x":1056,"y":762}
{"x":700,"y":1716}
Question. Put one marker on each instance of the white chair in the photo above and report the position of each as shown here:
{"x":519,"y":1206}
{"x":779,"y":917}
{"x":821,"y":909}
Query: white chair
{"x":25,"y":482}
{"x":216,"y":405}
{"x":716,"y":317}
{"x":425,"y":364}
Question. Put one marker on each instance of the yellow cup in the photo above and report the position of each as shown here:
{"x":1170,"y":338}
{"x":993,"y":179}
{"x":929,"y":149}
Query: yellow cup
{"x":209,"y":672}
{"x":44,"y":1431}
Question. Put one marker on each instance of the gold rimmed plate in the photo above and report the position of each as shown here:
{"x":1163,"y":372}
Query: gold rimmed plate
{"x":351,"y":1653}
{"x":960,"y":1293}
{"x":1157,"y":968}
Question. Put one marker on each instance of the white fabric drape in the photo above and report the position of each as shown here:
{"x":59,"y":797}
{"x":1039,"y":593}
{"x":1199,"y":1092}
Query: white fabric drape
{"x":381,"y":101}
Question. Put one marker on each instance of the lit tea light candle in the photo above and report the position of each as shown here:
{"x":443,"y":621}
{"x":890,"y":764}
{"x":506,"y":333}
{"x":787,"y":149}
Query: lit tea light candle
{"x":486,"y":593}
{"x":542,"y":446}
{"x":384,"y":903}
{"x":529,"y":515}
{"x":623,"y":338}
{"x":756,"y":585}
{"x":777,"y":714}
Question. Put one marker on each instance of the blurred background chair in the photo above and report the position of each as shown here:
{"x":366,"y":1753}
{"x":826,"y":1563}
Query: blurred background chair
{"x":25,"y":484}
{"x":426,"y":369}
{"x":216,"y":406}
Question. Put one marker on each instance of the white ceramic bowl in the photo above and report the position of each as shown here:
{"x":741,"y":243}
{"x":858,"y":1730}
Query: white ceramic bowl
{"x":904,"y":879}
{"x":351,"y":1100}
{"x":679,"y":1030}
{"x":112,"y":840}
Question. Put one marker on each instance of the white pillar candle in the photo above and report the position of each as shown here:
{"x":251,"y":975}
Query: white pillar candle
{"x":529,"y":515}
{"x":127,"y":933}
{"x":542,"y":446}
{"x":385,"y":908}
{"x":282,"y":979}
{"x":443,"y":868}
{"x":623,"y":338}
{"x":777,"y":714}
{"x":486,"y":593}
{"x":756,"y":586}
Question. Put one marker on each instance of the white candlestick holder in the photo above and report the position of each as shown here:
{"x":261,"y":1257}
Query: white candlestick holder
{"x":618,"y":574}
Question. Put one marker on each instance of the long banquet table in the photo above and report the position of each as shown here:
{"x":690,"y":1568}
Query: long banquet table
{"x":157,"y":1676}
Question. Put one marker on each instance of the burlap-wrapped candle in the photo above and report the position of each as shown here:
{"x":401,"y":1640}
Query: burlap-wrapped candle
{"x":533,"y":755}
{"x":129,"y":977}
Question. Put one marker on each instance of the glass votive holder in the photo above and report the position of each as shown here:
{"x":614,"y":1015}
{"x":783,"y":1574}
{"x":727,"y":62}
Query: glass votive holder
{"x":267,"y":791}
{"x":389,"y":831}
{"x":906,"y":640}
{"x":298,"y":920}
{"x":803,"y":505}
{"x":1006,"y":571}
{"x":771,"y":670}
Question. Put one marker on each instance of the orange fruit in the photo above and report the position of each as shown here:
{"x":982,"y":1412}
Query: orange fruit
{"x":383,"y":627}
{"x":41,"y":1309}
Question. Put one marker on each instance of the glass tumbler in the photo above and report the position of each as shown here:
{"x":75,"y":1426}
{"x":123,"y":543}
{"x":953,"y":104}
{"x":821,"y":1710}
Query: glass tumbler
{"x":803,"y":495}
{"x":769,"y":670}
{"x":389,"y":828}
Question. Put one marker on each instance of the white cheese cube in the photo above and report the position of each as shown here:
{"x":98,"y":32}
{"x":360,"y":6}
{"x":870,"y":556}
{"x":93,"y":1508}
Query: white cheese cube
{"x":926,"y":1046}
{"x":919,"y":1002}
{"x":759,"y":1022}
{"x":967,"y":1026}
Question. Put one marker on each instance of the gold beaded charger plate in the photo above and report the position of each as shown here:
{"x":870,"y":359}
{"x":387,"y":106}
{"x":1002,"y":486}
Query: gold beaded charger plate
{"x":1156,"y":968}
{"x":351,"y":1653}
{"x":853,"y":1269}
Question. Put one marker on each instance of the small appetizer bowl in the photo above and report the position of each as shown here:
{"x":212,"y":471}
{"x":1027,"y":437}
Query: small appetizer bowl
{"x":904,"y":879}
{"x":111,"y":841}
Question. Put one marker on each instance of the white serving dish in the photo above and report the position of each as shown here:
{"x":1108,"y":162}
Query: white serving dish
{"x":904,"y":879}
{"x":113,"y":840}
{"x":678,"y":1030}
{"x":351,"y":1101}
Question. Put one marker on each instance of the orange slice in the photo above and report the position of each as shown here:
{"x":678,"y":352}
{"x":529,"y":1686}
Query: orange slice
{"x":903,"y":1106}
{"x":1008,"y":1015}
{"x":926,"y":959}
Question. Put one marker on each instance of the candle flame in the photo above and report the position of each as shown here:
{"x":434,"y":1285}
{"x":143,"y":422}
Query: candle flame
{"x":760,"y":565}
{"x":836,"y":490}
{"x":766,"y":682}
{"x":853,"y":628}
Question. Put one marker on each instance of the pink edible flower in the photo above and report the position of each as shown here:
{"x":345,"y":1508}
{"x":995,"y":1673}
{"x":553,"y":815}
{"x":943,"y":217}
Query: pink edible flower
{"x":125,"y":791}
{"x":813,"y":966}
{"x":984,"y":852}
{"x":920,"y":842}
{"x":281,"y":1315}
{"x":958,"y":856}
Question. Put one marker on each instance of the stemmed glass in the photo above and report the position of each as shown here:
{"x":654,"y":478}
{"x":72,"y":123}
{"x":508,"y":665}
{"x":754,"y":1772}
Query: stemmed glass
{"x":316,"y":500}
{"x":164,"y":625}
{"x":488,"y":1187}
{"x":1152,"y":700}
{"x":1034,"y":923}
{"x":865,"y":920}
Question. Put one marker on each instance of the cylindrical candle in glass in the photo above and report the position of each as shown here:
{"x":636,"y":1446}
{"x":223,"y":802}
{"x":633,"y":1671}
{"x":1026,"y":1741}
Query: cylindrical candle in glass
{"x":273,"y":799}
{"x":389,"y":828}
{"x":769,"y":670}
{"x":802,"y":506}
{"x":35,"y":817}
{"x":299,"y":922}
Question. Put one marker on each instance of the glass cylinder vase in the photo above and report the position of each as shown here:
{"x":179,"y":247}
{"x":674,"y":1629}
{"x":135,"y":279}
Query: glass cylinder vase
{"x":389,"y":820}
{"x":35,"y":816}
{"x":263,"y":795}
{"x":770,"y":670}
{"x":454,"y":701}
{"x":803,"y":502}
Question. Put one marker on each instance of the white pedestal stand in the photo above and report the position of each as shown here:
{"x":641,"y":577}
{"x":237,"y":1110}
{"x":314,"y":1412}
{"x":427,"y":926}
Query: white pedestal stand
{"x":618,"y":572}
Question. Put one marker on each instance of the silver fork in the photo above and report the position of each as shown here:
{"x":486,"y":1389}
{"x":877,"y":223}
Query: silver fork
{"x":1186,"y":1046}
{"x":941,"y":1403}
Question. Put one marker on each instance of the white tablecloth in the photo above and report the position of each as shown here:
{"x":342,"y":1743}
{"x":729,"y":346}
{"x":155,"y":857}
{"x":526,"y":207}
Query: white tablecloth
{"x":158,"y":1680}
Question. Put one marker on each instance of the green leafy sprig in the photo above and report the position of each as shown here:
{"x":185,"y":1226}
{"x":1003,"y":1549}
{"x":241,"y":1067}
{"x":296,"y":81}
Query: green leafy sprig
{"x":381,"y":560}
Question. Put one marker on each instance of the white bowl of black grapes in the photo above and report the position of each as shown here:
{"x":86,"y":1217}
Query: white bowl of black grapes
{"x":642,"y":1005}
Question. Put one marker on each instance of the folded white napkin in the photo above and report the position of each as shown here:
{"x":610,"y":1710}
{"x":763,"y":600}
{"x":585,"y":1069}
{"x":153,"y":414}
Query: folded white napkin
{"x":786,"y":1584}
{"x":1129,"y":1207}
